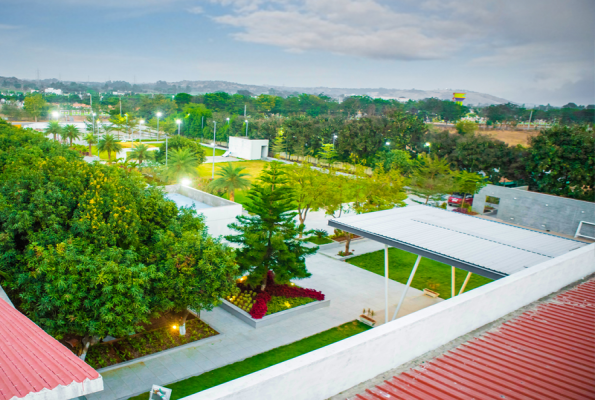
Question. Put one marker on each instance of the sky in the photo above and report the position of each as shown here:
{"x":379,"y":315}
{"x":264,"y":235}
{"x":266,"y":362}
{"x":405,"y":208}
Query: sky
{"x":526,"y":51}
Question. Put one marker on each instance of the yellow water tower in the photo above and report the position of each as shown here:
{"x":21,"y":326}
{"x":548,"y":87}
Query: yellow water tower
{"x":458,"y":98}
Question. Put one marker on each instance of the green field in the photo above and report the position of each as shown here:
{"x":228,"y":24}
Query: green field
{"x":430,"y":274}
{"x":261,"y":361}
{"x":253,"y":168}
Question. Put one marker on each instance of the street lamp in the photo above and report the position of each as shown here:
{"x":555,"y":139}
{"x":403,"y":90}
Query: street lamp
{"x":56,"y":114}
{"x":214,"y":138}
{"x":334,"y":137}
{"x":158,"y":116}
{"x":178,"y":121}
{"x":388,"y":143}
{"x":140,"y":131}
{"x":93,"y":115}
{"x":185,"y":182}
{"x":429,"y":146}
{"x":246,"y":121}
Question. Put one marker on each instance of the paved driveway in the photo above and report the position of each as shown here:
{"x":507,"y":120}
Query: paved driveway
{"x":349,"y":288}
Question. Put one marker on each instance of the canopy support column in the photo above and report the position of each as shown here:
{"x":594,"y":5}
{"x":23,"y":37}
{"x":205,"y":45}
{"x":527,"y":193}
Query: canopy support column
{"x":386,"y":283}
{"x":407,"y":287}
{"x":465,"y":283}
{"x":452,"y":282}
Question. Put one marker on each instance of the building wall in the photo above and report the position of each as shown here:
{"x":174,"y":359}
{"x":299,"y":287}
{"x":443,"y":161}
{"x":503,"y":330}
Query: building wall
{"x":335,"y":368}
{"x":222,"y":212}
{"x":248,"y":149}
{"x":538,"y":210}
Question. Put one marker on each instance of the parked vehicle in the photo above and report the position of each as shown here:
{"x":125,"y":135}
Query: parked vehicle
{"x":456,"y":199}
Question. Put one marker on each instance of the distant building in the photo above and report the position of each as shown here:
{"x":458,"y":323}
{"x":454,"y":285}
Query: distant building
{"x":53,"y":91}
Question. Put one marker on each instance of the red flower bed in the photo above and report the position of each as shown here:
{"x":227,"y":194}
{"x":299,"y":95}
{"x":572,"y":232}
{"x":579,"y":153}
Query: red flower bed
{"x":259,"y":309}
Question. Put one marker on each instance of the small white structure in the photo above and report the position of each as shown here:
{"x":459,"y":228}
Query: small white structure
{"x":218,"y":212}
{"x":54,"y":91}
{"x":248,"y":149}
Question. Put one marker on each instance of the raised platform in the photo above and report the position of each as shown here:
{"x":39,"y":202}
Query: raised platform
{"x":273,"y":318}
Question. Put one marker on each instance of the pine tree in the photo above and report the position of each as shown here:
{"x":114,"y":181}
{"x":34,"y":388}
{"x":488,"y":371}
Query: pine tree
{"x":268,"y":236}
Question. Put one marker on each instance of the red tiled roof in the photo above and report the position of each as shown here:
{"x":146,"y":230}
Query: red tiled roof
{"x":32,"y":361}
{"x":545,"y":353}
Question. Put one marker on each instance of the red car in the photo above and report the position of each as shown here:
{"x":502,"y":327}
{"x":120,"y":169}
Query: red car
{"x":456,"y":199}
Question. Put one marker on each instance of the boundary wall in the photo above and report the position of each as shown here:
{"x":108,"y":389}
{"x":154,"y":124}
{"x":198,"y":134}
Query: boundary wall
{"x":335,"y":368}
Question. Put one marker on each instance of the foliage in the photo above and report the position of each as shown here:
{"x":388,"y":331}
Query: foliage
{"x":261,"y":361}
{"x":309,"y":186}
{"x":268,"y":236}
{"x":92,"y":250}
{"x":469,"y":183}
{"x":432,"y":178}
{"x":141,"y":153}
{"x":328,"y":153}
{"x":394,"y":159}
{"x":230,"y":179}
{"x":70,"y":132}
{"x":182,"y":163}
{"x":53,"y":128}
{"x":35,"y":105}
{"x":561,"y":161}
{"x":91,"y":140}
{"x":279,"y":144}
{"x":281,"y":303}
{"x":180,"y":142}
{"x":109,"y":144}
{"x":466,"y":127}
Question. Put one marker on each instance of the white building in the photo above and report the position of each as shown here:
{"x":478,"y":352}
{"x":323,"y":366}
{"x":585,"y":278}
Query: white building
{"x":54,"y":91}
{"x":248,"y":149}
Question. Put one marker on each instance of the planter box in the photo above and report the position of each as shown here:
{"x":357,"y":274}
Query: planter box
{"x":273,"y":318}
{"x":367,"y":320}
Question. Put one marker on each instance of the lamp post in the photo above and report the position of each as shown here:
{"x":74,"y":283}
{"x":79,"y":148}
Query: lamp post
{"x":93,"y":115}
{"x":429,"y":146}
{"x":140,"y":130}
{"x":334,"y":137}
{"x":127,"y":127}
{"x":214,"y":138}
{"x":158,"y":115}
{"x":246,"y":121}
{"x":166,"y":150}
{"x":178,"y":121}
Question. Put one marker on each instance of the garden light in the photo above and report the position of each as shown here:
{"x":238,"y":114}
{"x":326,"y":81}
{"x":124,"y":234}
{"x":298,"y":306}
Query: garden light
{"x":175,"y":327}
{"x":55,"y":114}
{"x":185,"y":182}
{"x":428,"y":144}
{"x":388,"y":143}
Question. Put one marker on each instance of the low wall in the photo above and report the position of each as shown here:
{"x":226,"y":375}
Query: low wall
{"x":222,"y":212}
{"x":335,"y":368}
{"x":538,"y":210}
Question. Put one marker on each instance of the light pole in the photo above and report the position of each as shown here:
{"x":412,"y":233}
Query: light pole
{"x":158,"y":115}
{"x":56,"y":115}
{"x":202,"y":124}
{"x":214,"y":138}
{"x":334,"y":137}
{"x":246,"y":121}
{"x":178,"y":121}
{"x":120,"y":106}
{"x":140,"y":130}
{"x":429,"y":146}
{"x":93,"y":115}
{"x":166,"y":150}
{"x":127,"y":127}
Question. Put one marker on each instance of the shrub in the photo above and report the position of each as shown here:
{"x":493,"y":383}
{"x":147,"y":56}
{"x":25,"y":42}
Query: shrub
{"x":259,"y":309}
{"x":466,"y":127}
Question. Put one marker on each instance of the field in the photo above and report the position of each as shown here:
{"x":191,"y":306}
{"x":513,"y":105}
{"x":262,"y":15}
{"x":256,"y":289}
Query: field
{"x":252,"y":167}
{"x":510,"y":137}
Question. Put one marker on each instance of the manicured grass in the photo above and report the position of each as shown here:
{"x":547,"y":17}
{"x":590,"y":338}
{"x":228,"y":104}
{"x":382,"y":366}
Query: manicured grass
{"x":261,"y":361}
{"x":430,"y":274}
{"x":316,"y":240}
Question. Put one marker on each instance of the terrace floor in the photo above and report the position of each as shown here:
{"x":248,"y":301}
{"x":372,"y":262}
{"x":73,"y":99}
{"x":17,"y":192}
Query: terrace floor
{"x":349,"y":288}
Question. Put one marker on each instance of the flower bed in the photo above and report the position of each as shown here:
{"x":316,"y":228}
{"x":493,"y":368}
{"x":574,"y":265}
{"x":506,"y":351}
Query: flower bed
{"x":273,"y":299}
{"x":125,"y":349}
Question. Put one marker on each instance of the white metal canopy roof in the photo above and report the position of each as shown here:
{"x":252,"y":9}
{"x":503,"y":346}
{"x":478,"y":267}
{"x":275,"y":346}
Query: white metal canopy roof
{"x":488,"y":248}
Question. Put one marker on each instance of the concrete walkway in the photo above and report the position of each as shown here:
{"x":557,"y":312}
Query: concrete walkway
{"x":220,"y":159}
{"x":349,"y":288}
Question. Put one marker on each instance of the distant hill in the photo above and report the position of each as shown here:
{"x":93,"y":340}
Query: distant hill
{"x":198,"y":87}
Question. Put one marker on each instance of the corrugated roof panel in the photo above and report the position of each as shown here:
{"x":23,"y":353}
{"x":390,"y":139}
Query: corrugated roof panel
{"x":545,"y":353}
{"x":475,"y":242}
{"x":31,"y":361}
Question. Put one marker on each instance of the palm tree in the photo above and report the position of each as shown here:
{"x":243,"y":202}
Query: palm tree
{"x":91,"y":140}
{"x":108,"y":143}
{"x":71,"y":132}
{"x":53,"y":128}
{"x":230,"y":179}
{"x":182,"y":162}
{"x":140,"y":153}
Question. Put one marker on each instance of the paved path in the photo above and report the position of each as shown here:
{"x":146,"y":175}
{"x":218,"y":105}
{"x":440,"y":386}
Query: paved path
{"x":219,"y":159}
{"x":349,"y":288}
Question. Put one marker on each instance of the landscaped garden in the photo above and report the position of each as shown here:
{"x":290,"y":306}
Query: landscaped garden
{"x":158,"y":339}
{"x":273,"y":298}
{"x":430,"y":274}
{"x":261,"y":361}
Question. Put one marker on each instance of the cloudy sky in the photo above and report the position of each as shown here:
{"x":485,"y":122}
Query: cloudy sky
{"x":528,"y":51}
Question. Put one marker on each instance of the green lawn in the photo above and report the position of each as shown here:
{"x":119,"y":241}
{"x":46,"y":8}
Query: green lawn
{"x":316,"y":240}
{"x":430,"y":274}
{"x":209,"y":151}
{"x":261,"y":361}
